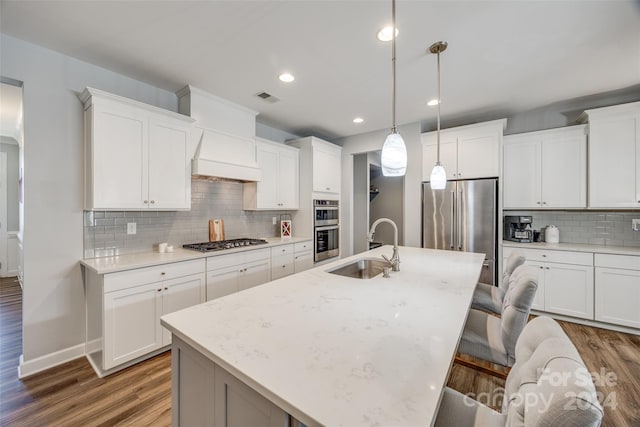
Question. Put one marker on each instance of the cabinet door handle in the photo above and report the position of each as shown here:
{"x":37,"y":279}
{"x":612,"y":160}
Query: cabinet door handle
{"x":165,"y":288}
{"x":547,"y":268}
{"x":541,"y":267}
{"x":153,"y":201}
{"x":146,"y":202}
{"x":159,"y":290}
{"x":544,"y":203}
{"x":284,"y":266}
{"x":544,"y":256}
{"x":328,"y":188}
{"x":163,"y":273}
{"x":537,"y":203}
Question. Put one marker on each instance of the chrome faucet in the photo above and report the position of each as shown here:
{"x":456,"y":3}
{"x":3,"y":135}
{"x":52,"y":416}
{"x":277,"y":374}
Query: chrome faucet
{"x":394,"y":262}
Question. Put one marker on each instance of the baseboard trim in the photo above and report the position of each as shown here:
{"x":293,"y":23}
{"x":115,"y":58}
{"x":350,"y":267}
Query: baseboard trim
{"x":47,"y":361}
{"x":587,"y":322}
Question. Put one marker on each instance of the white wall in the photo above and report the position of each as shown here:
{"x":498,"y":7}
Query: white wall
{"x":412,"y":183}
{"x":53,"y":299}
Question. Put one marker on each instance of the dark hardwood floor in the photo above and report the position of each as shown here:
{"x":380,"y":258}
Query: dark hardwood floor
{"x":72,"y":395}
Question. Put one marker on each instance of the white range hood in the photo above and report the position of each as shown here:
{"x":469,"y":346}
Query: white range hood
{"x":226,"y":156}
{"x":225,"y":132}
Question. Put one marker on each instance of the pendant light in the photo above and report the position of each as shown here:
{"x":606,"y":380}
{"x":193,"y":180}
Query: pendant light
{"x":394,"y":153}
{"x":438,"y":174}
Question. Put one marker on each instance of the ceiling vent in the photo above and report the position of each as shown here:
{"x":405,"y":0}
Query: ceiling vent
{"x":267,"y":97}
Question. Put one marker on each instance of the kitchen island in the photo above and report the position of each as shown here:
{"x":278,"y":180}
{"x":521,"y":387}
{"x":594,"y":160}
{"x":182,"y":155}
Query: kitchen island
{"x":326,"y":349}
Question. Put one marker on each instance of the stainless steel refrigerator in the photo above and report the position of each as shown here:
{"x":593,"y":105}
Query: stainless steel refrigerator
{"x":463,"y":217}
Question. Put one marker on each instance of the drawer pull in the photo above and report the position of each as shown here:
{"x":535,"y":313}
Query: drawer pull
{"x":160,"y":290}
{"x":163,"y":273}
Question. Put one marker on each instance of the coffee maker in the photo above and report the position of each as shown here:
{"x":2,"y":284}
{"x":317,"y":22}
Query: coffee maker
{"x":518,"y":229}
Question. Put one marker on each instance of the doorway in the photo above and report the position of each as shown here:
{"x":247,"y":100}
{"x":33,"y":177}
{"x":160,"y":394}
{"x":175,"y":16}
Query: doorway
{"x":375,"y":196}
{"x":11,"y":138}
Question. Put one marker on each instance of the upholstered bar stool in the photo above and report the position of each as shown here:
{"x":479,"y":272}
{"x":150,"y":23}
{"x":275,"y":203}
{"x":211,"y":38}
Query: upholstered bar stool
{"x":494,"y":338}
{"x":548,"y":385}
{"x":488,"y":297}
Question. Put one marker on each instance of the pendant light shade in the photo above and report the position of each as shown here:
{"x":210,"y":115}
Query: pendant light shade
{"x":394,"y":156}
{"x":394,"y":153}
{"x":438,"y":178}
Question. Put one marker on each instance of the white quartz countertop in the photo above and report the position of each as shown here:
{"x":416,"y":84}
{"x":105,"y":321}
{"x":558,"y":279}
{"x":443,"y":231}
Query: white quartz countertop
{"x":339,"y":351}
{"x":577,"y":247}
{"x":116,"y":263}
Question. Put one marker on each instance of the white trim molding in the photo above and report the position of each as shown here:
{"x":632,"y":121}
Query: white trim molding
{"x":47,"y":361}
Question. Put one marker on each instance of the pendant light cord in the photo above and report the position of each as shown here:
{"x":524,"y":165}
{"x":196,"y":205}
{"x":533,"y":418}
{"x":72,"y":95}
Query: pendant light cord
{"x":439,"y":101}
{"x":393,"y":67}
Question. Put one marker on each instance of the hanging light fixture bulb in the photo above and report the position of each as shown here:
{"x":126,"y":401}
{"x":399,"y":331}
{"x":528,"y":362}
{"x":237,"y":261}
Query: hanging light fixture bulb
{"x":394,"y":153}
{"x":438,"y":174}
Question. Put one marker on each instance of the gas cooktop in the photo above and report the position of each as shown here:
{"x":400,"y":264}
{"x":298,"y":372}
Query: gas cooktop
{"x":223,"y":244}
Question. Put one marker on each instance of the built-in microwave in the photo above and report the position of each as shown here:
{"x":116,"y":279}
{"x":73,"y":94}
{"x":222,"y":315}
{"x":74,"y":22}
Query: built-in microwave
{"x":326,"y":212}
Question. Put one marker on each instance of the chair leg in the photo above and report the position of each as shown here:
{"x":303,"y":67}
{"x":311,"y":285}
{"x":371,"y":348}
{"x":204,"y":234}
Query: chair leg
{"x":502,"y":374}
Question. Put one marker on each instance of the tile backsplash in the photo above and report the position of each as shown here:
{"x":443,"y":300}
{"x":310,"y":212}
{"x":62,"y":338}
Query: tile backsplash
{"x":594,"y":228}
{"x":105,"y":232}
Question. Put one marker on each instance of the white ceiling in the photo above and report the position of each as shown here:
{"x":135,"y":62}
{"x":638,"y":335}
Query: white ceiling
{"x":504,"y":57}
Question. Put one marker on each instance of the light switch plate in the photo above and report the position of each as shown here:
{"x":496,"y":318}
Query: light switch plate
{"x":635,"y":224}
{"x":274,"y":220}
{"x":131,"y":228}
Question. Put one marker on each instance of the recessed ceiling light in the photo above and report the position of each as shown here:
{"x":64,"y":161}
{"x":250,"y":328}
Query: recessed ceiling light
{"x":432,"y":103}
{"x":384,"y":35}
{"x":286,"y":77}
{"x":358,"y":120}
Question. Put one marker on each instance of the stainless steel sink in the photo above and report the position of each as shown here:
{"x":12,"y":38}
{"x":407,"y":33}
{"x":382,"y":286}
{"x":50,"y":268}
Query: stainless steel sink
{"x":365,"y":268}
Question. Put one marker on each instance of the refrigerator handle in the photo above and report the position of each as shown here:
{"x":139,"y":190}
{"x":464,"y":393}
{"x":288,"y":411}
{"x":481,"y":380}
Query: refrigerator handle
{"x":453,"y":195}
{"x":460,"y":210}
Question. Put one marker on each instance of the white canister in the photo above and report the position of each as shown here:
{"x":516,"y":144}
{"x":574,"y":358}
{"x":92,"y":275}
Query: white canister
{"x":552,"y":234}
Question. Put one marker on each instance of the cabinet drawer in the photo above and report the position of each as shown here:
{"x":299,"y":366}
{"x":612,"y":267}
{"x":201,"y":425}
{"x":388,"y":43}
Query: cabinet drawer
{"x":140,"y":276}
{"x":627,"y":262}
{"x":282,"y":250}
{"x":303,"y":246}
{"x":257,"y":255}
{"x":222,"y":261}
{"x":544,"y":255}
{"x":281,"y":266}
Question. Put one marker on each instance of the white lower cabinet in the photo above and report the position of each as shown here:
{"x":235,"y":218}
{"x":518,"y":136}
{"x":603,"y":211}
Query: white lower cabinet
{"x":282,"y":261}
{"x":303,"y":256}
{"x":227,"y":274}
{"x":205,"y":394}
{"x":565,"y":281}
{"x":617,"y":284}
{"x":124,"y":309}
{"x":291,"y":258}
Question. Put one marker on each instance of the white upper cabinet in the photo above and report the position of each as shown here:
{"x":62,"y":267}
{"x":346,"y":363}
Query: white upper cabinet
{"x":136,"y":155}
{"x":546,"y":169}
{"x":614,"y":156}
{"x":278,"y":188}
{"x":326,"y":168}
{"x":466,"y":152}
{"x":321,"y":167}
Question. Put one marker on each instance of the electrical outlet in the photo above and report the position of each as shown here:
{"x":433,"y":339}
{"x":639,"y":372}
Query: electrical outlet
{"x":274,"y":220}
{"x":131,"y":228}
{"x":635,"y":224}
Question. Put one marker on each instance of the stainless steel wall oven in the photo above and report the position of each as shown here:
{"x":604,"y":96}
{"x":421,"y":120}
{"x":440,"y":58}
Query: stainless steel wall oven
{"x":326,"y":229}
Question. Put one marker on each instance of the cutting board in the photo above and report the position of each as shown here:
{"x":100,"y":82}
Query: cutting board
{"x":216,"y":230}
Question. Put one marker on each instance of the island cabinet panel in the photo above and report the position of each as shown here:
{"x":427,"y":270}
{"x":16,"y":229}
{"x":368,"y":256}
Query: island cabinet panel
{"x":207,"y":395}
{"x":137,"y":156}
{"x":617,"y":282}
